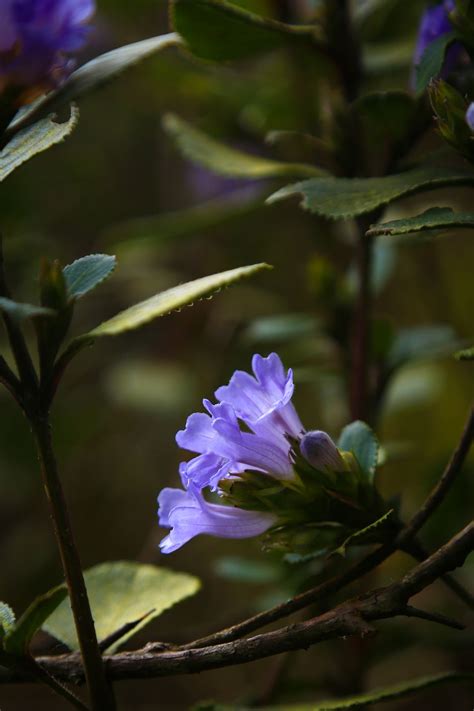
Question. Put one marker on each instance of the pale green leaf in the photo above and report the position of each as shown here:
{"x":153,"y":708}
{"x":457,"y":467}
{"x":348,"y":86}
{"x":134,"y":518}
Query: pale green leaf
{"x":421,"y":342}
{"x":33,"y":140}
{"x":93,"y":75}
{"x":436,"y":218}
{"x":86,"y":273}
{"x":342,"y":198}
{"x":7,"y":619}
{"x":218,"y":30}
{"x":120,"y":593}
{"x":220,"y":158}
{"x":359,"y":439}
{"x":432,"y":60}
{"x":466,"y":354}
{"x":390,"y":693}
{"x":19,"y":311}
{"x":19,"y":637}
{"x":170,"y":300}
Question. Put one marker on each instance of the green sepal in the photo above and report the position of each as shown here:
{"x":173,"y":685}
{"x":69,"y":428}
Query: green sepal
{"x":450,"y":109}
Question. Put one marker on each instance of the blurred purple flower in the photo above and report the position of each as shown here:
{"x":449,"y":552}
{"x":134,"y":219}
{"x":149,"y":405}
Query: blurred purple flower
{"x":434,"y":23}
{"x":262,"y":404}
{"x":470,"y":116}
{"x":36,"y":39}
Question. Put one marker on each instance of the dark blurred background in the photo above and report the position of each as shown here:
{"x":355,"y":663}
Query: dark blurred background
{"x":122,"y":402}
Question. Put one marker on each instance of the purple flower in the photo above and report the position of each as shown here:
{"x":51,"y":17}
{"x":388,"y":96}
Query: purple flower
{"x":36,"y":37}
{"x":250,"y":437}
{"x":470,"y":116}
{"x":434,"y":23}
{"x":320,"y":451}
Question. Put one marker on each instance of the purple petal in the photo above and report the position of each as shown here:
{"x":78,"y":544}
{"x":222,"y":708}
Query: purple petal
{"x":470,"y":116}
{"x":189,"y":515}
{"x":205,"y":470}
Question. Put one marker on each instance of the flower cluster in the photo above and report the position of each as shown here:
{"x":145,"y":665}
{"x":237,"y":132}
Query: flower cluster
{"x":256,"y":457}
{"x":36,"y":37}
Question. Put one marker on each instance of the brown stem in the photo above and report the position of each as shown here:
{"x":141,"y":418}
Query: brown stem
{"x":101,"y":694}
{"x":359,"y":376}
{"x":351,"y":618}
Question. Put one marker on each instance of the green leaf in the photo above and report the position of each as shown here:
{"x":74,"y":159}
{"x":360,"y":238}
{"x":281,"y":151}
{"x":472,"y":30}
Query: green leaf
{"x":218,"y":30}
{"x":421,"y":342}
{"x":86,"y":273}
{"x":171,"y":300}
{"x":398,"y":691}
{"x":359,"y":439}
{"x":280,"y":328}
{"x":342,"y":198}
{"x":364,"y":534}
{"x":466,"y":354}
{"x":432,"y":61}
{"x":144,"y":232}
{"x":219,"y":158}
{"x":33,"y":140}
{"x":7,"y":619}
{"x":20,"y":312}
{"x":120,"y":593}
{"x":247,"y":571}
{"x":436,"y":218}
{"x":18,"y":639}
{"x":91,"y":76}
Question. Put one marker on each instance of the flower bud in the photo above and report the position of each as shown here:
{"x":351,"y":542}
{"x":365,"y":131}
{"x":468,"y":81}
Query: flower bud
{"x":320,"y":451}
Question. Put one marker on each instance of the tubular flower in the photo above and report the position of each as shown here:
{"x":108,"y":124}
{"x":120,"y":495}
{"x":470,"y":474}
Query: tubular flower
{"x":36,"y":39}
{"x":249,"y":457}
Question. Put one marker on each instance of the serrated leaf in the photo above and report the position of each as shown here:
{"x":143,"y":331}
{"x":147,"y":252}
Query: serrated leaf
{"x":466,"y":354}
{"x":18,"y":639}
{"x":432,"y":61}
{"x":7,"y":619}
{"x":342,"y":198}
{"x":436,"y":218}
{"x":397,"y":691}
{"x":359,"y":439}
{"x":363,"y":533}
{"x":120,"y":593}
{"x":218,"y":30}
{"x":19,"y":311}
{"x":33,"y":140}
{"x":170,"y":300}
{"x":223,"y":160}
{"x":86,"y":273}
{"x":420,"y":342}
{"x":92,"y":75}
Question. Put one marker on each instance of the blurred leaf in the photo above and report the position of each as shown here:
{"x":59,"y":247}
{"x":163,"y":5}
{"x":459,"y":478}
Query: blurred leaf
{"x":86,"y":273}
{"x":359,"y":439}
{"x":398,"y":691}
{"x":384,"y":262}
{"x":342,"y":198}
{"x":467,"y":354}
{"x":153,"y":231}
{"x":7,"y":619}
{"x":171,"y":300}
{"x":33,"y":140}
{"x":433,"y":219}
{"x":286,"y":327}
{"x":432,"y":61}
{"x":120,"y":593}
{"x":420,"y":342}
{"x":220,"y":31}
{"x":364,"y":534}
{"x":384,"y":57}
{"x":247,"y":571}
{"x":18,"y":639}
{"x":91,"y":76}
{"x":219,"y":158}
{"x":20,"y":312}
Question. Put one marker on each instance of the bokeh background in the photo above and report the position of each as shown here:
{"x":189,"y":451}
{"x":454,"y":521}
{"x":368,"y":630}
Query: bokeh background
{"x":120,"y":185}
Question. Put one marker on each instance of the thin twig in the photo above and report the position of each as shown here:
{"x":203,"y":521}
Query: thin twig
{"x":353,"y":617}
{"x":101,"y":694}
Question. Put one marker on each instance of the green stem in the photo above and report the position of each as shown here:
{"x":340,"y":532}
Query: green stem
{"x":101,"y":694}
